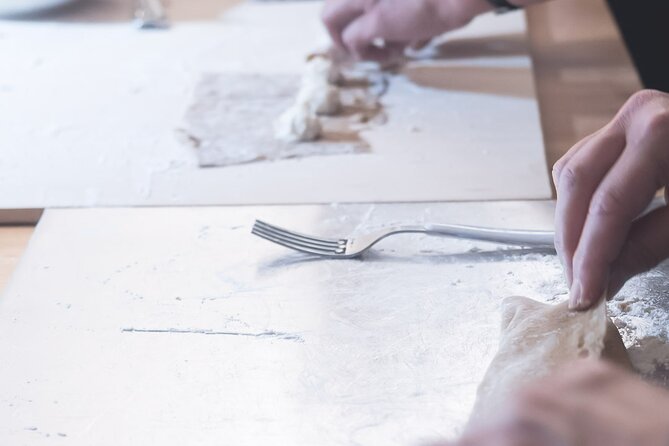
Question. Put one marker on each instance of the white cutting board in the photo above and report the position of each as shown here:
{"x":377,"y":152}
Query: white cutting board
{"x":89,"y":114}
{"x":103,"y":328}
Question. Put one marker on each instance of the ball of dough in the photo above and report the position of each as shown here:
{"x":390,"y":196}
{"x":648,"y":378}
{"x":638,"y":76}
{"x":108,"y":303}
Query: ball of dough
{"x":297,"y":124}
{"x":319,"y":67}
{"x":321,"y":98}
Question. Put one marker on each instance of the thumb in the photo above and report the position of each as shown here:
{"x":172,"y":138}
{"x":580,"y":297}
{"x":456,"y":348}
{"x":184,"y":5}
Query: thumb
{"x":647,"y":245}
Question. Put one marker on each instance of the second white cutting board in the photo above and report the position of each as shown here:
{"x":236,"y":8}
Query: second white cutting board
{"x":90,"y":113}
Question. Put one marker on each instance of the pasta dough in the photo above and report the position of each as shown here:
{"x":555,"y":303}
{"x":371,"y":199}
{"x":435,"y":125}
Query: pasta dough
{"x":319,"y":90}
{"x":536,"y":339}
{"x":317,"y":96}
{"x":321,"y":99}
{"x":296,"y":124}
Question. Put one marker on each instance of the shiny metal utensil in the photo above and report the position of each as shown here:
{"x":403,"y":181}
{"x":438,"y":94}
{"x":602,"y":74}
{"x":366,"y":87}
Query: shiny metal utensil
{"x":150,"y":14}
{"x":346,"y":248}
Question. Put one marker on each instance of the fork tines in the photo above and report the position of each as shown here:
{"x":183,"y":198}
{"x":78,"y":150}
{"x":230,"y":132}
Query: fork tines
{"x":299,"y":242}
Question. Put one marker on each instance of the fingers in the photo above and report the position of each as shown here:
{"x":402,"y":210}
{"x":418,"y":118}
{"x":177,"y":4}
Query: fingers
{"x":619,"y":199}
{"x":370,"y":36}
{"x":577,"y":179}
{"x":647,"y":245}
{"x":603,"y":185}
{"x":360,"y":26}
{"x":337,"y":14}
{"x":559,"y":165}
{"x":529,"y":418}
{"x":585,"y":402}
{"x":388,"y":27}
{"x":580,"y":376}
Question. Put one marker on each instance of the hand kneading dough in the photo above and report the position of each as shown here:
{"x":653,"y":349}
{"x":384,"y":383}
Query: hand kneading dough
{"x":537,"y":339}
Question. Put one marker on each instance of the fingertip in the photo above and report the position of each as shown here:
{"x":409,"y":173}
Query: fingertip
{"x":360,"y":43}
{"x":590,"y":297}
{"x":584,"y":296}
{"x":587,"y":303}
{"x":587,"y":289}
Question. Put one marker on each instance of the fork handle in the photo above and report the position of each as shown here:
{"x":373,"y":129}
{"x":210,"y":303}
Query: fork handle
{"x":504,"y":236}
{"x":542,"y":239}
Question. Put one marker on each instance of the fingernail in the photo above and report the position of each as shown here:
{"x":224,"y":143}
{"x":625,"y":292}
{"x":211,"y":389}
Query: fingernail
{"x":576,"y":296}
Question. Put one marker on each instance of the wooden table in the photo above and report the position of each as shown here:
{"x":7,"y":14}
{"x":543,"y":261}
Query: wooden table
{"x":13,"y":241}
{"x":583,"y":76}
{"x":582,"y":70}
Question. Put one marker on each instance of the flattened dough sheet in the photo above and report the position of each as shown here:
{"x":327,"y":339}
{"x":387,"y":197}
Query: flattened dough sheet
{"x":232,"y":116}
{"x":537,"y":339}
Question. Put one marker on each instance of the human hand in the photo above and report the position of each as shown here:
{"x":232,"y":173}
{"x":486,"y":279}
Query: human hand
{"x":590,"y":403}
{"x":603,"y":183}
{"x":357,"y":25}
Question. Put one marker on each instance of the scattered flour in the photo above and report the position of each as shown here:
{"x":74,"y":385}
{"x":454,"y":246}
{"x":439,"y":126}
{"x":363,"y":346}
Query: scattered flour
{"x":641,"y":313}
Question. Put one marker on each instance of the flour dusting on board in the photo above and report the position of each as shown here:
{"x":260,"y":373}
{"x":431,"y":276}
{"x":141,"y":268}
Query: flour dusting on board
{"x":641,"y":313}
{"x":640,"y":310}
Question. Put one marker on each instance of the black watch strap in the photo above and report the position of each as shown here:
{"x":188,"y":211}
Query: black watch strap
{"x":502,"y":6}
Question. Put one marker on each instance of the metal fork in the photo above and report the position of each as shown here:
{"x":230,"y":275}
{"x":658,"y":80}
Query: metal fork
{"x":346,"y":248}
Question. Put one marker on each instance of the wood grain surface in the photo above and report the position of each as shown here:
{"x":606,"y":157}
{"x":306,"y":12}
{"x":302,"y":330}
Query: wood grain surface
{"x":582,"y":70}
{"x":13,"y":241}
